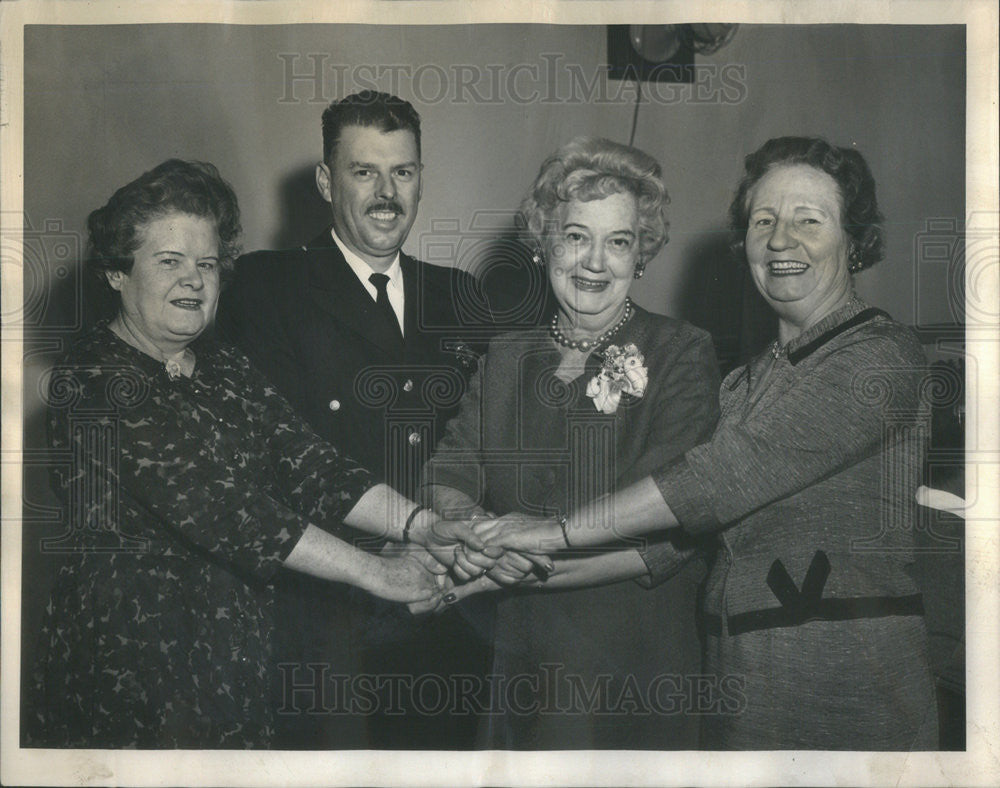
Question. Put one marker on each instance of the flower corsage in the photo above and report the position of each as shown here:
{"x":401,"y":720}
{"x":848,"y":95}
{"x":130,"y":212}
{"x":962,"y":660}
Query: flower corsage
{"x":622,"y":373}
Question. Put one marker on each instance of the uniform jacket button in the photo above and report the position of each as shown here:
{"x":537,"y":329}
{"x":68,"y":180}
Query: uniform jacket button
{"x":335,"y":404}
{"x":408,"y":385}
{"x":414,"y":438}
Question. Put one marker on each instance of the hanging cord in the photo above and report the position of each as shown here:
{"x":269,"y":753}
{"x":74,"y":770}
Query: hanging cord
{"x":635,"y":112}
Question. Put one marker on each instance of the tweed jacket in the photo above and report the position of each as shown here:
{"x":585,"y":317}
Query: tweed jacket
{"x":814,"y":623}
{"x":824,"y":454}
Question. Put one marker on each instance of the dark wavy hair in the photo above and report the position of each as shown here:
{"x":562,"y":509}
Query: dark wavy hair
{"x":591,"y":168}
{"x":860,"y":216}
{"x":371,"y":109}
{"x":191,"y":187}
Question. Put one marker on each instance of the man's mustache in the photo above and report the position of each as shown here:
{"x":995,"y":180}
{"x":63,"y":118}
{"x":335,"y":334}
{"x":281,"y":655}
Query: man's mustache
{"x":387,"y":205}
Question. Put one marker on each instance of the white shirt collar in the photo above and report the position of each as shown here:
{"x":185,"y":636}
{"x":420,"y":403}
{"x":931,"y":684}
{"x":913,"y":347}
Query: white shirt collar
{"x":362,"y":270}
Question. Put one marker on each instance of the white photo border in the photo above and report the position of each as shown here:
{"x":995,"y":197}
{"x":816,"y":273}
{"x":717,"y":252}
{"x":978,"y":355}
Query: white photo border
{"x":979,"y":765}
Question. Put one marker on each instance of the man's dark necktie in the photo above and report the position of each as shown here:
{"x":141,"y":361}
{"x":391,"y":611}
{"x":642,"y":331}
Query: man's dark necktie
{"x":382,"y":303}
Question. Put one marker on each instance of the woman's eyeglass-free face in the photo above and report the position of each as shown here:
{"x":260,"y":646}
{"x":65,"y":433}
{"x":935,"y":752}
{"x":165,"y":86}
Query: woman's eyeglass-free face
{"x":591,"y":258}
{"x":170,"y":295}
{"x":795,"y":243}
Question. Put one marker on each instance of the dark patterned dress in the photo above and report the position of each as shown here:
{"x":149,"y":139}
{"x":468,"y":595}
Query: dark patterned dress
{"x":184,"y":497}
{"x":611,"y":667}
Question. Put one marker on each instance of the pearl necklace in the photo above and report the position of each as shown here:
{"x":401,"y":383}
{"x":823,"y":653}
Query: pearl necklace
{"x":588,"y":344}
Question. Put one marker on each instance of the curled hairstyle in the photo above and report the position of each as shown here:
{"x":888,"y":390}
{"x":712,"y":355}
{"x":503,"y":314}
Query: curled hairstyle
{"x":860,"y":216}
{"x":591,"y":168}
{"x":370,"y":109}
{"x":191,"y":187}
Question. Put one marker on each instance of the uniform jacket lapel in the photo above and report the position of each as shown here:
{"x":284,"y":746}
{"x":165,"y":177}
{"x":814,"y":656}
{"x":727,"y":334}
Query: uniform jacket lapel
{"x":334,"y":288}
{"x":411,"y":301}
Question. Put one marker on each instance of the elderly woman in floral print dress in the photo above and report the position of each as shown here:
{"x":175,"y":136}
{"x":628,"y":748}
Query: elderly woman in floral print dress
{"x":192,"y":482}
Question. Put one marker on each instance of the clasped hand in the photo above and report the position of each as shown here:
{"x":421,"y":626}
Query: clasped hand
{"x":480,"y":554}
{"x":506,"y":549}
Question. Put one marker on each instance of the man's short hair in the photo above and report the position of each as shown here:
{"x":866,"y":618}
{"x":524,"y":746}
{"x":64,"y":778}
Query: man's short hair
{"x":368,"y":108}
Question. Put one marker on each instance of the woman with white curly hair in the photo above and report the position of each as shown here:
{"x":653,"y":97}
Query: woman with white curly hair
{"x":559,"y":415}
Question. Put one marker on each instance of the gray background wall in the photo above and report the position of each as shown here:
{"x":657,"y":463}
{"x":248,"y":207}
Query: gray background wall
{"x":105,"y":103}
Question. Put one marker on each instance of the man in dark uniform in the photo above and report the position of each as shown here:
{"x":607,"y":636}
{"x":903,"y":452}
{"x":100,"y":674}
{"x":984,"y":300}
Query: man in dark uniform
{"x":373,"y":348}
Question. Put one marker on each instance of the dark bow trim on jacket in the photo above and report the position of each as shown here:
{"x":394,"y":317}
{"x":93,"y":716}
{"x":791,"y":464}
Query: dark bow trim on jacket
{"x":800,"y":606}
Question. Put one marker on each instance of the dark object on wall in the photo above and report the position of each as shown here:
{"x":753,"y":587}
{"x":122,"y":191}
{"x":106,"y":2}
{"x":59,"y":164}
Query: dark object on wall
{"x":662,"y":53}
{"x":660,"y":56}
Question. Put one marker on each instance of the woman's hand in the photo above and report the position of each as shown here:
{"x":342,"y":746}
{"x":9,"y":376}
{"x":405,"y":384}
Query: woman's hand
{"x":455,"y":544}
{"x":521,"y":533}
{"x":453,"y":593}
{"x":401,"y":576}
{"x":419,"y":554}
{"x":439,"y":603}
{"x":513,"y":568}
{"x":439,"y":537}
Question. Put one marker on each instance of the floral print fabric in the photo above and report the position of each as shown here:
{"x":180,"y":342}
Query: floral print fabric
{"x":184,"y":496}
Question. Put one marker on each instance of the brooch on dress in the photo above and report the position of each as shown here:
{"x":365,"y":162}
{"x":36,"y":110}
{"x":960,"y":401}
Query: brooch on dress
{"x":173,"y":368}
{"x":623,"y":372}
{"x":176,"y":364}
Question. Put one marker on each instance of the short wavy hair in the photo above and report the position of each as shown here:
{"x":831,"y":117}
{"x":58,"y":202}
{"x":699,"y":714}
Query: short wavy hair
{"x":370,"y":109}
{"x":860,"y":215}
{"x":591,"y":168}
{"x":175,"y":186}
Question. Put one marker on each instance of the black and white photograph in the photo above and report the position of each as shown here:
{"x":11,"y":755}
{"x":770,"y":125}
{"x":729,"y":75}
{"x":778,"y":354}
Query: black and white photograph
{"x":437,"y":393}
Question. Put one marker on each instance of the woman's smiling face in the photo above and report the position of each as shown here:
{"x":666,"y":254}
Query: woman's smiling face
{"x":592,"y":256}
{"x":170,"y":295}
{"x":796,"y":244}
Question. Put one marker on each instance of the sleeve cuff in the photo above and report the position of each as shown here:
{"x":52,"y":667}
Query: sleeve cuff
{"x":663,"y":560}
{"x":266,"y":554}
{"x":687,"y":497}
